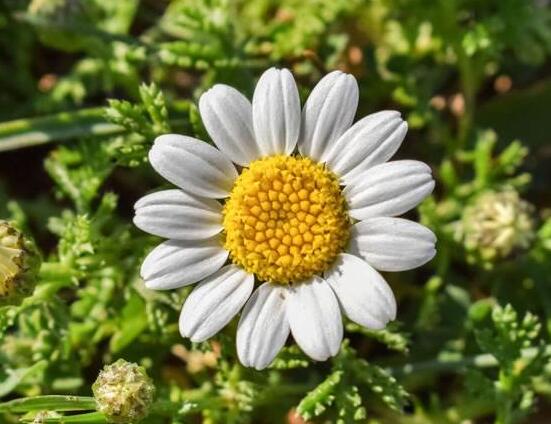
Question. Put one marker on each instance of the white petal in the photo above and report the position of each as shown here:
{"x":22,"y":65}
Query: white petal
{"x":328,"y":112}
{"x":363,"y":294}
{"x":214,"y":302}
{"x":228,"y":118}
{"x":174,"y":264}
{"x":193,"y":165}
{"x":389,"y":189}
{"x":392,"y":244}
{"x":276,"y":112}
{"x":263,"y":327}
{"x":370,"y":141}
{"x":315,"y":318}
{"x":178,"y":215}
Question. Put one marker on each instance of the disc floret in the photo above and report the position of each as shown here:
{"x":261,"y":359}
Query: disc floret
{"x":286,"y":219}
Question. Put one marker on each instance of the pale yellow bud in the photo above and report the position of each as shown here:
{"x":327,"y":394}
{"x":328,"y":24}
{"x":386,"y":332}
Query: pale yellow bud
{"x":497,"y":224}
{"x":19,"y":263}
{"x":123,"y":392}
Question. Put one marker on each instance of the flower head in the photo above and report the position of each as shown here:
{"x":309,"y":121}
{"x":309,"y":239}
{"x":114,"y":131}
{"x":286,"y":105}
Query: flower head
{"x":310,"y":216}
{"x":123,"y":392}
{"x":19,"y":262}
{"x":497,"y":224}
{"x":285,"y":219}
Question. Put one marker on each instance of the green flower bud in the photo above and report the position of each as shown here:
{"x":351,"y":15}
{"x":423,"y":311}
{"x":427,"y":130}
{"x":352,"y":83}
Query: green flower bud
{"x":123,"y":392}
{"x":496,"y":225}
{"x":19,"y":264}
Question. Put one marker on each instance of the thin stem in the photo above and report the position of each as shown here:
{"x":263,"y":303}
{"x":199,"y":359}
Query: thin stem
{"x":88,"y":418}
{"x":54,"y":402}
{"x":484,"y":360}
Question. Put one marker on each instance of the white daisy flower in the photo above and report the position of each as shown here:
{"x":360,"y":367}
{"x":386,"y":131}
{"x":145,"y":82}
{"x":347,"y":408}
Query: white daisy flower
{"x":308,"y":213}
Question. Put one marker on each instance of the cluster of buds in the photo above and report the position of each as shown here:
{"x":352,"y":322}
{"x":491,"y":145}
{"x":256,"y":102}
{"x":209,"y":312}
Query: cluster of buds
{"x":496,"y":225}
{"x":123,"y":392}
{"x":19,"y":264}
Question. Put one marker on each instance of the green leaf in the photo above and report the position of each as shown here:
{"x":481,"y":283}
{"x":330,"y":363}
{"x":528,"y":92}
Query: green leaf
{"x":154,"y":103}
{"x":59,"y":127}
{"x":52,"y":403}
{"x":349,"y":405}
{"x":381,"y":383}
{"x":290,"y":357}
{"x":133,"y":320}
{"x":389,"y":336}
{"x":323,"y":396}
{"x":89,"y":418}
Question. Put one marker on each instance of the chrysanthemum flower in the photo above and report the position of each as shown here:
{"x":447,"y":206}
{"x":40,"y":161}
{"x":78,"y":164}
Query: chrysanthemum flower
{"x":307,"y":211}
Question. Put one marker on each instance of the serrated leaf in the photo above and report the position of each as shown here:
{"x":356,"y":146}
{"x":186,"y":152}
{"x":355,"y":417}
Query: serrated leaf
{"x":349,"y":405}
{"x":381,"y":383}
{"x":290,"y":357}
{"x":317,"y":401}
{"x":388,"y":336}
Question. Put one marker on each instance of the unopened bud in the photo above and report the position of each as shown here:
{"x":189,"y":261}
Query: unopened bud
{"x":19,"y":264}
{"x":123,"y":392}
{"x":497,"y":224}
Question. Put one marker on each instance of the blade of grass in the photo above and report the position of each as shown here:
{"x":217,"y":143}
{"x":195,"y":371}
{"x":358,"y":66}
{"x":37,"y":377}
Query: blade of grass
{"x":58,"y":127}
{"x":88,"y":418}
{"x":483,"y":360}
{"x":49,"y":403}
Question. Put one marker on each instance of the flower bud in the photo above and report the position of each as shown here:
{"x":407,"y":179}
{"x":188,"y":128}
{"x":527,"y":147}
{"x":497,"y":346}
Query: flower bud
{"x":497,"y":224}
{"x":123,"y":392}
{"x":19,"y":264}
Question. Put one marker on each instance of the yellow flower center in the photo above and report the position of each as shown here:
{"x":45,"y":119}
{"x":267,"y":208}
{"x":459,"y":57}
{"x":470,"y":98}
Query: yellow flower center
{"x":286,"y":219}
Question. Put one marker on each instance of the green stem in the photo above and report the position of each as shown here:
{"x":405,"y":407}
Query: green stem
{"x":60,"y":126}
{"x":28,"y":132}
{"x":52,"y":403}
{"x":484,"y":360}
{"x":88,"y":418}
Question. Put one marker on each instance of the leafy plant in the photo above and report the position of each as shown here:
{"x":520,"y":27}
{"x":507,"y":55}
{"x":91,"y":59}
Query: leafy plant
{"x":86,"y":87}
